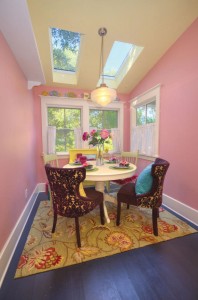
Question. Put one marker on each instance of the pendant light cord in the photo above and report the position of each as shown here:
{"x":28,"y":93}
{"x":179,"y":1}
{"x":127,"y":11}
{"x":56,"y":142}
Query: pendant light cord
{"x":102,"y":32}
{"x":101,"y":61}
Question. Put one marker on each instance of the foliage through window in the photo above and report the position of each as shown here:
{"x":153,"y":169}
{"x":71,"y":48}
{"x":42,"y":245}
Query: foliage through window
{"x":146,"y":114}
{"x":65,"y":120}
{"x":65,"y":45}
{"x":103,"y":119}
{"x":145,"y":122}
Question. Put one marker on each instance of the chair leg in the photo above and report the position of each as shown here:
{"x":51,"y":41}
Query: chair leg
{"x":54,"y":223}
{"x":102,"y":213}
{"x":118,"y":213}
{"x":155,"y":215}
{"x":128,"y":206}
{"x":77,"y":232}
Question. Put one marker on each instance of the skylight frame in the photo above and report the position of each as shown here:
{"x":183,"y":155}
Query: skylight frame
{"x":118,"y":49}
{"x":125,"y":66}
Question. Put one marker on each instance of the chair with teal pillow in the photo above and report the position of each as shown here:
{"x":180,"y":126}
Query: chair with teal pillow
{"x":144,"y":181}
{"x":146,"y":191}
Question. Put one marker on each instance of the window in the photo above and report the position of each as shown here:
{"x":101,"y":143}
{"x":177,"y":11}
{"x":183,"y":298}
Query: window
{"x":145,"y":122}
{"x":65,"y":52}
{"x":65,"y":45}
{"x":103,"y":119}
{"x":65,"y":120}
{"x":100,"y":119}
{"x":116,"y":59}
{"x":66,"y":48}
{"x":145,"y":114}
{"x":66,"y":115}
{"x":119,"y":62}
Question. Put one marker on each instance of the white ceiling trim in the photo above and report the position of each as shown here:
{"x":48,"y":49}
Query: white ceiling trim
{"x":20,"y":37}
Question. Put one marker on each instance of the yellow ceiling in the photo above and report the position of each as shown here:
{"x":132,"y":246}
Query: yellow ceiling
{"x":153,"y":24}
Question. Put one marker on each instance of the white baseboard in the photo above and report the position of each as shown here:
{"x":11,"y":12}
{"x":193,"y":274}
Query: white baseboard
{"x":183,"y":210}
{"x":14,"y":237}
{"x":41,"y":187}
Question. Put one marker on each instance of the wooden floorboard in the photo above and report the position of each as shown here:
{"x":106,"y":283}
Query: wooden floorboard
{"x":165,"y":271}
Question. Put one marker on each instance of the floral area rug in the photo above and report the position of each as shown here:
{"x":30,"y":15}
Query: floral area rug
{"x":45,"y":251}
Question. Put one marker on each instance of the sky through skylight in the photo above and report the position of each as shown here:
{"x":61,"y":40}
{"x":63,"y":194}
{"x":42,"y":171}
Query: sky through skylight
{"x":116,"y":58}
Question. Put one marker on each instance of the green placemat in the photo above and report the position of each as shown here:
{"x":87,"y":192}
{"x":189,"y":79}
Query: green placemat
{"x":93,"y":169}
{"x":121,"y":168}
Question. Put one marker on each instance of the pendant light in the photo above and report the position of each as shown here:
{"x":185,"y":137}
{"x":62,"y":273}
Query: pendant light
{"x":103,"y":95}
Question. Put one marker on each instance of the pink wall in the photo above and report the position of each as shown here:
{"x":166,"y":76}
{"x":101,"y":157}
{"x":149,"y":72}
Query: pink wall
{"x":177,"y":72}
{"x":17,"y":136}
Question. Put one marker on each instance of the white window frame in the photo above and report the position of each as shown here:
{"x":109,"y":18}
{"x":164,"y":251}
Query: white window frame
{"x":149,"y":96}
{"x":84,"y":105}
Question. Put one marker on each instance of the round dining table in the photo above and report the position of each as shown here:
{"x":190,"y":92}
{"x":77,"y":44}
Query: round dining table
{"x":102,"y":174}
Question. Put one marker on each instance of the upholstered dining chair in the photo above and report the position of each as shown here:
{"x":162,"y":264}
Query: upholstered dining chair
{"x":146,"y":191}
{"x":67,"y":201}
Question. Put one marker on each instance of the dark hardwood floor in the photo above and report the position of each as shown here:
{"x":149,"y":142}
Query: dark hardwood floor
{"x":164,"y":271}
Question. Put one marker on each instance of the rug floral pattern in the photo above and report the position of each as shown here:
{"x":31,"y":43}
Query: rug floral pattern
{"x":45,"y":251}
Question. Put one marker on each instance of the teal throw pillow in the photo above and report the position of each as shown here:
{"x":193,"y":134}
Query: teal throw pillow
{"x":144,"y":181}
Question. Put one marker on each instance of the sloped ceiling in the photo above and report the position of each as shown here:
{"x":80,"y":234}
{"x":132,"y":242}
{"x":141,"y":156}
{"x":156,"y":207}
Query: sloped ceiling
{"x":153,"y":24}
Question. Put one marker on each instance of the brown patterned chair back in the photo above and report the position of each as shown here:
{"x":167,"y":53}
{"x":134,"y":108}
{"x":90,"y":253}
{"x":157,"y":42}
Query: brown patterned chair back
{"x":154,"y":197}
{"x":64,"y":185}
{"x":67,"y":201}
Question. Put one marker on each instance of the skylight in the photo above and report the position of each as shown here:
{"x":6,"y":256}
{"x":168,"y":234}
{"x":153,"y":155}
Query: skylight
{"x":119,"y":62}
{"x":65,"y":53}
{"x":65,"y":47}
{"x":117,"y":56}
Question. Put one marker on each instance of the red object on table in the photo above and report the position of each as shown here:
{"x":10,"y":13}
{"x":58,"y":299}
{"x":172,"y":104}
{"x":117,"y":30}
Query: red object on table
{"x":83,"y":159}
{"x":78,"y":155}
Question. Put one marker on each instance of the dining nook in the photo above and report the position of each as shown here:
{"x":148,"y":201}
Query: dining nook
{"x":98,"y":127}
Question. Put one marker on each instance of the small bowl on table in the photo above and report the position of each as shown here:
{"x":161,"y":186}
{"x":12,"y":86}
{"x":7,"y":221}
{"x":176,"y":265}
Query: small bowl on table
{"x":124,"y":164}
{"x":113,"y":160}
{"x":77,"y":162}
{"x":87,"y":166}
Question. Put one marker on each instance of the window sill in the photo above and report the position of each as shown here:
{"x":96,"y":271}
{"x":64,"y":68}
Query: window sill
{"x":145,"y":157}
{"x":62,"y":154}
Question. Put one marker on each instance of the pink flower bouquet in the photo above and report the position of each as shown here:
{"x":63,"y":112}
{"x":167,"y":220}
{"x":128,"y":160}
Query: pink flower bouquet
{"x":96,"y":138}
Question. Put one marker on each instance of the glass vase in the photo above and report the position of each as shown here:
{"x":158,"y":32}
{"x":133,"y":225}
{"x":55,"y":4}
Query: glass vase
{"x":99,"y":159}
